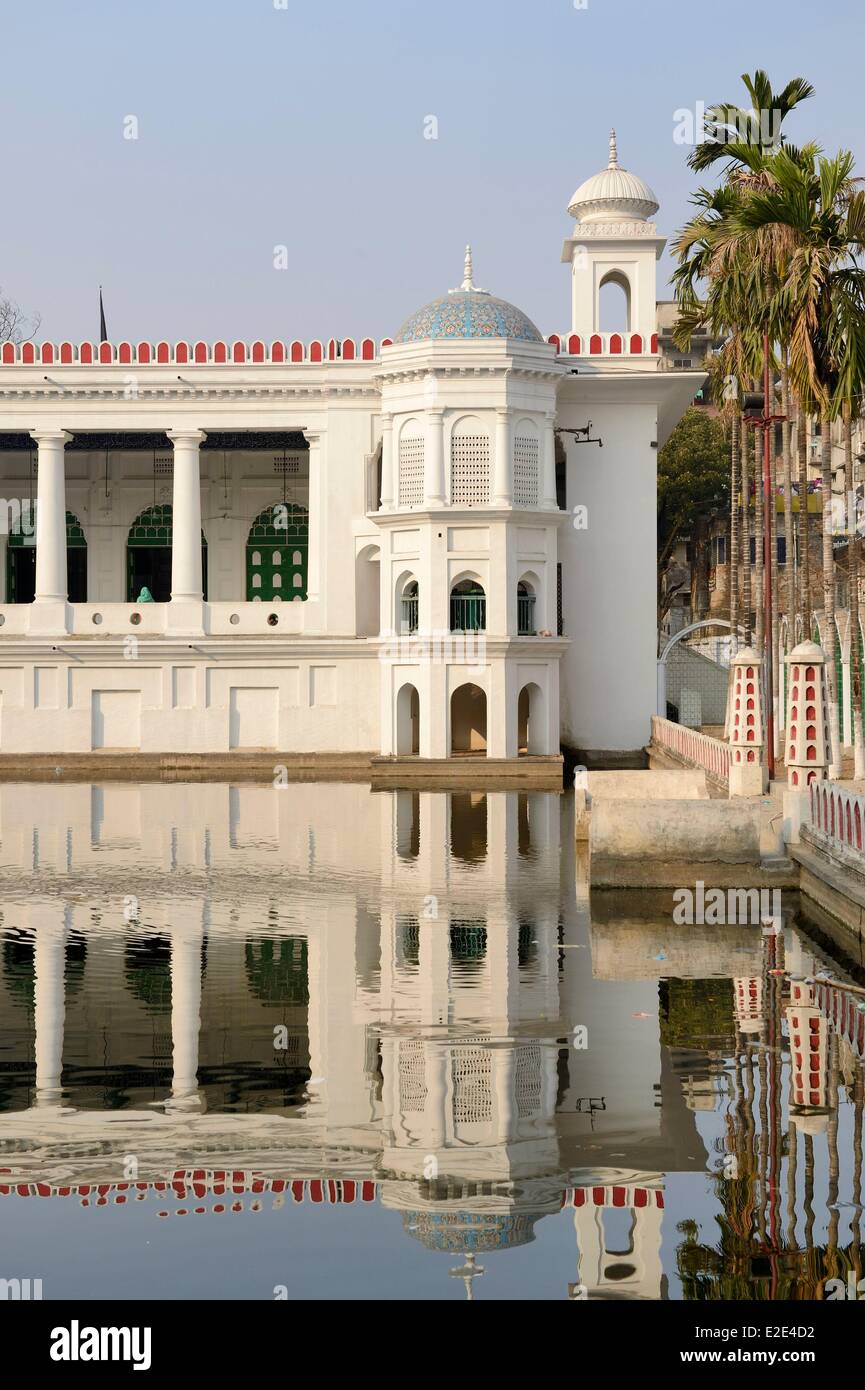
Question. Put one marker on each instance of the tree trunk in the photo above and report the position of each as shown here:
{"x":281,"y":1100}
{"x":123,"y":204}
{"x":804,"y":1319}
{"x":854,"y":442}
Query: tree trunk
{"x":853,"y":603}
{"x":790,"y":543}
{"x":733,"y":567}
{"x":830,"y":635}
{"x":772,"y":527}
{"x":746,"y":539}
{"x":789,"y":539}
{"x":804,"y":556}
{"x":759,"y":522}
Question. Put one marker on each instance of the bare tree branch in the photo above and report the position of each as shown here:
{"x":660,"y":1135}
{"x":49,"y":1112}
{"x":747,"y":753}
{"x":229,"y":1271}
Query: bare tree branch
{"x":15,"y":325}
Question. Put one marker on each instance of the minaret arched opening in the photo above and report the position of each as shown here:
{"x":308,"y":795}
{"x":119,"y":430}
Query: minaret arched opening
{"x":614,"y":303}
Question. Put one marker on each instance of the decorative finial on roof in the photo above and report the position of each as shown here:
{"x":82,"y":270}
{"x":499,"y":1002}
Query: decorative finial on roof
{"x":468,"y":283}
{"x":614,"y":154}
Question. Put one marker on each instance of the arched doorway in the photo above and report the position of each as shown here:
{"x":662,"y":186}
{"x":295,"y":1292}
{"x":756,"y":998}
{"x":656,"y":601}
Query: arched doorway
{"x":408,"y":721}
{"x":367,"y":592}
{"x":277,"y":554}
{"x":148,"y":555}
{"x":469,"y":721}
{"x":530,"y":720}
{"x":21,"y":563}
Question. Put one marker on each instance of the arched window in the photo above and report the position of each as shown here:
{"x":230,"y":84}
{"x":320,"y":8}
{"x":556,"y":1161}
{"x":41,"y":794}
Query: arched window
{"x":525,"y":609}
{"x":470,"y":464}
{"x":21,"y":559}
{"x":278,"y":527}
{"x":614,"y":303}
{"x":148,"y":555}
{"x":410,"y":464}
{"x":468,"y":607}
{"x":409,"y":606}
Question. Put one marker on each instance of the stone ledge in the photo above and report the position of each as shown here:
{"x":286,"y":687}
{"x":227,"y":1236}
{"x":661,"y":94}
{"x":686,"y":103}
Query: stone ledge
{"x":537,"y":772}
{"x":119,"y":766}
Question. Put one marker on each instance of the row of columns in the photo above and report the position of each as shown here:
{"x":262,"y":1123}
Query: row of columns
{"x":187,"y":583}
{"x":502,"y":480}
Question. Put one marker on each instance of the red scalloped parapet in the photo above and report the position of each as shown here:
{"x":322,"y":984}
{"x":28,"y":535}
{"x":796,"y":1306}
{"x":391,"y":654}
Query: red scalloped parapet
{"x":258,"y":353}
{"x":218,"y":354}
{"x":605,"y":344}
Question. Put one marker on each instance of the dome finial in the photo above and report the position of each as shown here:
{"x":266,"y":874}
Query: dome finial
{"x":468,"y":283}
{"x":614,"y":155}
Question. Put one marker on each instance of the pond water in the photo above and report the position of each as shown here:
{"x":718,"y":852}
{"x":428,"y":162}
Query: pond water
{"x":323,"y":1042}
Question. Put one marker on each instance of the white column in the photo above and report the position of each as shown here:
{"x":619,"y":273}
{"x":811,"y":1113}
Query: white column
{"x":548,"y":471}
{"x":49,"y":1000}
{"x":186,"y":943}
{"x":503,"y":484}
{"x":435,"y":458}
{"x":437,"y":1059}
{"x":51,"y":516}
{"x":387,"y":471}
{"x":504,"y":1060}
{"x":186,"y":577}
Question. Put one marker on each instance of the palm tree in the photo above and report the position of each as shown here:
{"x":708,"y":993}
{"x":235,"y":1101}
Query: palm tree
{"x":817,"y":215}
{"x":737,"y":289}
{"x":736,"y":134}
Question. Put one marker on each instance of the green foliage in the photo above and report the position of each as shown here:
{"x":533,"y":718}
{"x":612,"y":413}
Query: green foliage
{"x":697,"y":1013}
{"x":693,"y":476}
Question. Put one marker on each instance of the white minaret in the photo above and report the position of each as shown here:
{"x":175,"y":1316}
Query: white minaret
{"x":613,"y":242}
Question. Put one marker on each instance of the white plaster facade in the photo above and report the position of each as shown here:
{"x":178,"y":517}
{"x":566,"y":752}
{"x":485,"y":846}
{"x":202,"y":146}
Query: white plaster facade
{"x":420,"y":466}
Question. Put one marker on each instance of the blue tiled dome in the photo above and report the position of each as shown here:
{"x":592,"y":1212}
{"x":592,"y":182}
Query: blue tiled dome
{"x":468,"y":314}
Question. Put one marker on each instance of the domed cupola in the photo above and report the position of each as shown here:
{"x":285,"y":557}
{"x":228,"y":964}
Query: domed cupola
{"x":468,"y":312}
{"x":613,"y":195}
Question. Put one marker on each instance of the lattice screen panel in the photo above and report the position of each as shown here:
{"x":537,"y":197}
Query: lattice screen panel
{"x":470,"y":470}
{"x":472,"y":1091}
{"x":412,"y":1075}
{"x":525,"y":471}
{"x":528,"y":1078}
{"x":411,"y":466}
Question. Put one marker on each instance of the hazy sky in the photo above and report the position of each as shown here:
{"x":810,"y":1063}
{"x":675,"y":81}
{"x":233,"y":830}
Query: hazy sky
{"x":266,"y":123}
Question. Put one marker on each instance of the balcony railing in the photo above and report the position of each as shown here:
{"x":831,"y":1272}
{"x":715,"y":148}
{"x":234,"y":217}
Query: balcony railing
{"x":410,"y":614}
{"x":468,"y":612}
{"x":526,"y":615}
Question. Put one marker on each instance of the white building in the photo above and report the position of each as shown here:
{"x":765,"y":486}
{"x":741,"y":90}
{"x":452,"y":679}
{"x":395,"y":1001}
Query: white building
{"x":352,"y":548}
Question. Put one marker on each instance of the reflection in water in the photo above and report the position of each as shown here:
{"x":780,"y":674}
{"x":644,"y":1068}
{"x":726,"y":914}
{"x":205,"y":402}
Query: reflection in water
{"x":254,"y":1001}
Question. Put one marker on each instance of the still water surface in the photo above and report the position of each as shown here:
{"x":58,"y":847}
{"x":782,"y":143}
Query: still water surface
{"x":320,"y":1042}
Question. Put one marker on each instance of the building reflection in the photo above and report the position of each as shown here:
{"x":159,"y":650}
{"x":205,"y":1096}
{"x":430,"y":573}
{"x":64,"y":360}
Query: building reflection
{"x":221,"y":998}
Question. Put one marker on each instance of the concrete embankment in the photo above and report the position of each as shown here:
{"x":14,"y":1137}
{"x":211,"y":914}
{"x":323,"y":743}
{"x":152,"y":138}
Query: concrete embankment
{"x":650,"y":843}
